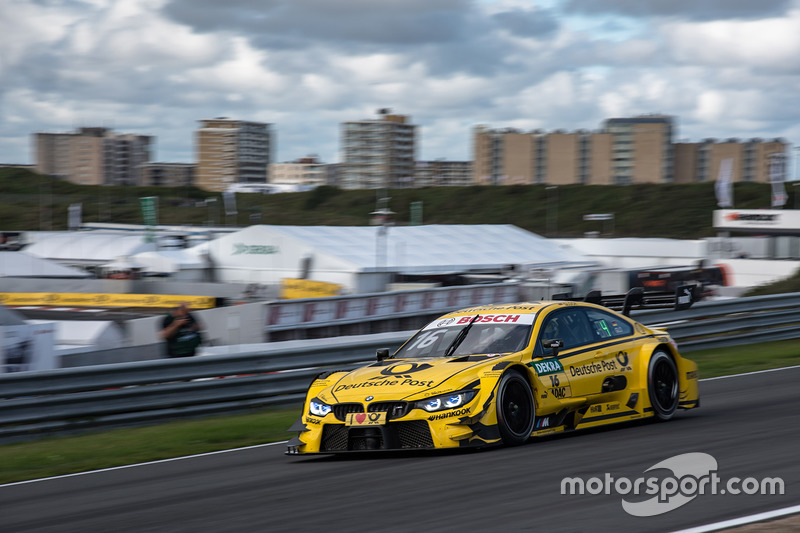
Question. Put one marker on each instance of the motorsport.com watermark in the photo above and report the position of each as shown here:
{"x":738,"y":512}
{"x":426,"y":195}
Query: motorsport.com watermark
{"x":693,"y":474}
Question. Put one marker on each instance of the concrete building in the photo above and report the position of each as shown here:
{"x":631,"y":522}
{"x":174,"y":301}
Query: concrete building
{"x":701,"y":161}
{"x":303,"y":171}
{"x":378,"y":152}
{"x":641,"y":149}
{"x":441,"y":173}
{"x":512,"y":157}
{"x":166,"y":174}
{"x":232,"y":151}
{"x":92,"y":156}
{"x":623,"y":152}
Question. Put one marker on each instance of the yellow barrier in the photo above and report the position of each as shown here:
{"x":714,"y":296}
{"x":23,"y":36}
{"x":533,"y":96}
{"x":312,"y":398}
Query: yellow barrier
{"x":292,"y":289}
{"x":81,"y":299}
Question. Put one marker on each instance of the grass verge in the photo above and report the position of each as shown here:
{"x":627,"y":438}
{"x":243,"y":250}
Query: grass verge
{"x":746,"y":358}
{"x":64,"y":455}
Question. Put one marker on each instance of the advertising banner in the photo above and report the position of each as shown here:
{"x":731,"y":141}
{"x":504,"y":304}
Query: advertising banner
{"x":27,"y":347}
{"x":81,"y":299}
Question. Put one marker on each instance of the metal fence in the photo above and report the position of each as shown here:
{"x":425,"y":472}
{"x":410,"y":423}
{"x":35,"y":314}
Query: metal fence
{"x":61,"y":401}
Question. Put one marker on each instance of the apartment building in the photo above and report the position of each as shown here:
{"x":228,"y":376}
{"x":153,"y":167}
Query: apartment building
{"x":624,"y":151}
{"x":378,"y":152}
{"x":303,"y":171}
{"x":166,"y":174}
{"x":232,"y":151}
{"x":512,"y":157}
{"x":92,"y":156}
{"x":441,"y":173}
{"x":701,"y":161}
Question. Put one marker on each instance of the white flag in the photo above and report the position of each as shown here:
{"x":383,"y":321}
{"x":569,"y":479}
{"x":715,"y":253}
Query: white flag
{"x":724,"y":185}
{"x":777,"y":174}
{"x":74,"y":216}
{"x":229,"y":197}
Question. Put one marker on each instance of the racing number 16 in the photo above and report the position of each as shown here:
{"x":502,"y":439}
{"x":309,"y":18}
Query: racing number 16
{"x":554,"y":381}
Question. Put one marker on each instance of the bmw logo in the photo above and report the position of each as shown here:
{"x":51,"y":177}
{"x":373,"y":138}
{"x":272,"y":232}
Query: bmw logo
{"x":369,"y":398}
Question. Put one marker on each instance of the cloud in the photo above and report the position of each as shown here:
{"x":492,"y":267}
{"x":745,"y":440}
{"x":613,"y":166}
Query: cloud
{"x":294,"y":23}
{"x":683,"y":9}
{"x":155,"y":67}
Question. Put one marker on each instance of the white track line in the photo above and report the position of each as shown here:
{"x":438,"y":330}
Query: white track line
{"x":122,"y":467}
{"x":273,"y":444}
{"x":759,"y":517}
{"x":753,"y":372}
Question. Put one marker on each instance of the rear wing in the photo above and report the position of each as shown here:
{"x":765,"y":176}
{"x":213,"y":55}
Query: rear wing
{"x":636,"y":298}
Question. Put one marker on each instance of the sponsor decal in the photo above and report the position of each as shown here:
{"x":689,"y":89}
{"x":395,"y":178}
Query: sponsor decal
{"x":450,"y":414}
{"x":594,"y":368}
{"x":254,"y":249}
{"x":365,"y":419}
{"x":490,"y":318}
{"x":314,"y":421}
{"x":445,"y":322}
{"x":547,"y":366}
{"x":612,"y":406}
{"x":596,"y":409}
{"x":559,"y":392}
{"x":752,"y":217}
{"x":623,"y":359}
{"x":385,"y":383}
{"x":543,"y":422}
{"x":403,"y":370}
{"x":691,"y":375}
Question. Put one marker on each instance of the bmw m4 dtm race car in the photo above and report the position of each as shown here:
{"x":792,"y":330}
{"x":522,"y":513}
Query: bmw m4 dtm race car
{"x":500,"y":374}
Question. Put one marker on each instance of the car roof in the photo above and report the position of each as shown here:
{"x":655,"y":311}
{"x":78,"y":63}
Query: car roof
{"x":516,"y":308}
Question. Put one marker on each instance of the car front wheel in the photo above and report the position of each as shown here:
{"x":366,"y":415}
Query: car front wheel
{"x":515,"y":408}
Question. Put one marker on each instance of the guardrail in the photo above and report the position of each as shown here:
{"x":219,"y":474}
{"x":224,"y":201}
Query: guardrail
{"x":61,"y":401}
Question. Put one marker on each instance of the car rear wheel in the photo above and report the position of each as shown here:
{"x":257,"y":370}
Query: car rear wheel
{"x":662,"y":385}
{"x":515,"y":408}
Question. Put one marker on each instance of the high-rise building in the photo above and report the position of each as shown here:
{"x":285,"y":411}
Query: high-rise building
{"x":378,"y":152}
{"x":232,"y":151}
{"x":92,"y":156}
{"x":641,"y":149}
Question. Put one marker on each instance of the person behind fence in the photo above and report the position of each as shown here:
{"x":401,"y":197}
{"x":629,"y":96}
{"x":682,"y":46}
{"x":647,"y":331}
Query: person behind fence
{"x":181,"y":331}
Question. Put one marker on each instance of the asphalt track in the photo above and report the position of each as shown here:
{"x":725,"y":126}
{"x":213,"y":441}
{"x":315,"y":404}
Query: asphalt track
{"x":749,"y":423}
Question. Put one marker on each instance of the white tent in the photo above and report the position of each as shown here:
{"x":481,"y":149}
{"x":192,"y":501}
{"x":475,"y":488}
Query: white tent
{"x":87,"y":248}
{"x":182,"y":265}
{"x":25,"y":265}
{"x":97,"y":334}
{"x":362,"y":258}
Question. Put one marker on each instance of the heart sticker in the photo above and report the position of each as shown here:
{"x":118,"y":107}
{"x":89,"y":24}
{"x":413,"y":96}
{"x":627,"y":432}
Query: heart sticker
{"x":360,"y":417}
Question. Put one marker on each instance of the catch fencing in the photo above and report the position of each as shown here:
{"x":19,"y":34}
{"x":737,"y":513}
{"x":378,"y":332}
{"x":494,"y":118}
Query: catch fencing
{"x":63,"y":401}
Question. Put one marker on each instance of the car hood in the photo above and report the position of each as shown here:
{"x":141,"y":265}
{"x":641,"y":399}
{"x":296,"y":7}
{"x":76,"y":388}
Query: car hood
{"x":409,"y":379}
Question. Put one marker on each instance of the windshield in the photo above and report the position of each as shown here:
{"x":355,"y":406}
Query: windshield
{"x":482,"y":338}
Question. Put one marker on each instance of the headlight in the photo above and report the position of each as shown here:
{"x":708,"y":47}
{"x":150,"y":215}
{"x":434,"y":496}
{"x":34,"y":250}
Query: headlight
{"x":446,"y":401}
{"x":318,"y":408}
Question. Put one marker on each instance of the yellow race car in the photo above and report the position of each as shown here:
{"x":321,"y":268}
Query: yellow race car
{"x":499,"y":374}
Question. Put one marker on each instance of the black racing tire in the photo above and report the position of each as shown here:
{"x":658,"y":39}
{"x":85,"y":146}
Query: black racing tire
{"x":663,"y":385}
{"x":515,"y":408}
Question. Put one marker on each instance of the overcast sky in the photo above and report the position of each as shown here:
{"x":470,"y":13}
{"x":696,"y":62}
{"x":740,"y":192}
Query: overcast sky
{"x":724,"y":68}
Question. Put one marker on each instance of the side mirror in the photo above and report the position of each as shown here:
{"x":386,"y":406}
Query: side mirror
{"x":554,"y":344}
{"x":381,"y":354}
